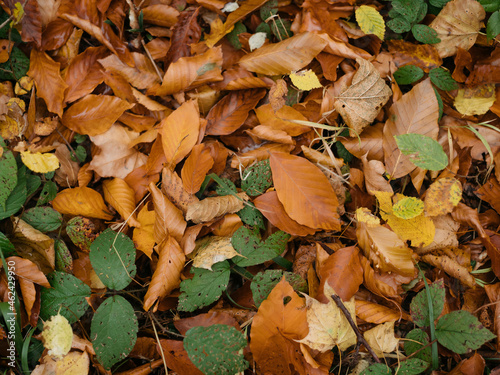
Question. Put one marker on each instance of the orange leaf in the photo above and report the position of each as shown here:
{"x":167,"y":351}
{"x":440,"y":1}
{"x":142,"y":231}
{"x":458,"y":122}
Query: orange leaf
{"x":94,"y":114}
{"x":279,"y":120}
{"x":270,"y":206}
{"x":246,"y":158}
{"x":305,"y":192}
{"x":280,"y":321}
{"x":196,"y":167}
{"x":28,"y":291}
{"x":49,"y":84}
{"x":179,"y":132}
{"x":232,"y":111}
{"x":121,"y":197}
{"x":160,"y":14}
{"x":167,"y":275}
{"x":416,"y":112}
{"x":168,"y":218}
{"x":143,"y":237}
{"x":81,"y":201}
{"x":28,"y":270}
{"x":281,"y":58}
{"x":372,"y":312}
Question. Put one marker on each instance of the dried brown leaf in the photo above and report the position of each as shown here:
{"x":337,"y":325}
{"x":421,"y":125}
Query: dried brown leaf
{"x":169,"y":220}
{"x":210,"y":208}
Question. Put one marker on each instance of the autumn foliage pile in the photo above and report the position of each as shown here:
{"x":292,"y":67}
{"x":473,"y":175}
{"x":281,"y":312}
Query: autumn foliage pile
{"x":269,"y":187}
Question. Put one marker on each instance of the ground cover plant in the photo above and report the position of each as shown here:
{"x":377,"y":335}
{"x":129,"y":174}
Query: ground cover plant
{"x":252,"y":187}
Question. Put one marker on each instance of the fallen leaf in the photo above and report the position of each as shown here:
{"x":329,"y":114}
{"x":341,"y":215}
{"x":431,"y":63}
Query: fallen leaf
{"x":210,"y":208}
{"x":196,"y":167}
{"x":442,"y":196}
{"x":121,"y":197}
{"x":213,"y":249}
{"x":40,"y":163}
{"x":374,"y":313}
{"x":173,"y":187}
{"x":143,"y":236}
{"x":476,"y":101}
{"x":169,"y":220}
{"x":81,"y":201}
{"x":381,"y":338}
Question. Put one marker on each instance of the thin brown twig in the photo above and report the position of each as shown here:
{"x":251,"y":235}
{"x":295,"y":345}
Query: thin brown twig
{"x":359,"y":335}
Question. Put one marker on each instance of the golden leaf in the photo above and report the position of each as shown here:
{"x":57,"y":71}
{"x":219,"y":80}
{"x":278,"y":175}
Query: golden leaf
{"x":167,"y":275}
{"x":370,"y":21}
{"x":477,"y":101}
{"x":210,"y":208}
{"x":143,"y":236}
{"x":451,"y":267}
{"x":122,"y":198}
{"x":442,"y":196}
{"x":381,"y":338}
{"x":305,"y":80}
{"x":168,"y":218}
{"x":195,"y":168}
{"x":81,"y":201}
{"x":361,"y":102}
{"x":211,"y":250}
{"x":40,"y":163}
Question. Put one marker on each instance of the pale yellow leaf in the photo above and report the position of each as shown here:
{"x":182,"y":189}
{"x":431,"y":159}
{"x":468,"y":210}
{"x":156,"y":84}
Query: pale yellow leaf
{"x":122,"y":198}
{"x":40,"y":163}
{"x":370,"y":21}
{"x":57,"y":336}
{"x":213,"y":249}
{"x":446,"y":234}
{"x":305,"y":80}
{"x":381,"y":338}
{"x":477,"y":101}
{"x":364,"y":215}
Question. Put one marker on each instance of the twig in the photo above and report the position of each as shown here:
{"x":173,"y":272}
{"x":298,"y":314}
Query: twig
{"x":361,"y":339}
{"x":152,"y":60}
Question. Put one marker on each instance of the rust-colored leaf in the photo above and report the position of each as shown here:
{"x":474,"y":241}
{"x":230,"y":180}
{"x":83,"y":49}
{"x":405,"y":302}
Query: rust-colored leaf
{"x":168,"y":218}
{"x":374,"y":313}
{"x":305,"y":192}
{"x":121,"y":197}
{"x":167,"y":275}
{"x":173,"y":188}
{"x":195,"y":168}
{"x":81,"y":201}
{"x":28,"y":270}
{"x":94,"y":114}
{"x":160,"y":14}
{"x":49,"y":84}
{"x":232,"y":110}
{"x":187,"y":31}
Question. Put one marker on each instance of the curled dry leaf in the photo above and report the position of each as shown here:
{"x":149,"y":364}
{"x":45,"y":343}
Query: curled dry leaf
{"x":173,"y":187}
{"x":381,"y":338}
{"x":321,"y":158}
{"x":167,"y":275}
{"x":451,"y":267}
{"x":210,"y":208}
{"x":261,"y":153}
{"x":446,"y":234}
{"x":168,"y":218}
{"x":361,"y":102}
{"x":305,"y":192}
{"x":458,"y":26}
{"x":82,"y":201}
{"x":121,"y":197}
{"x":67,"y":174}
{"x":211,"y":250}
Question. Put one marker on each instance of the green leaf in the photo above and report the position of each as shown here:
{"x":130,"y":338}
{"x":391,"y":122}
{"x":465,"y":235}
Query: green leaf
{"x":18,"y":196}
{"x":33,"y":182}
{"x":424,"y":151}
{"x":216,"y":349}
{"x":264,"y":28}
{"x":48,"y":193}
{"x":409,"y":9}
{"x":460,"y":331}
{"x":6,"y":246}
{"x":264,"y":282}
{"x":493,"y":27}
{"x":425,"y":34}
{"x":399,"y":25}
{"x":16,"y":67}
{"x":67,"y":295}
{"x":490,"y":5}
{"x":440,"y":3}
{"x":269,"y":9}
{"x":281,"y":28}
{"x":411,"y":346}
{"x":253,"y":250}
{"x":442,"y":79}
{"x":377,"y":369}
{"x":440,"y":102}
{"x":81,"y":231}
{"x":45,"y":219}
{"x":408,"y":74}
{"x":257,"y":178}
{"x":205,"y":287}
{"x":251,"y":216}
{"x":80,"y":153}
{"x":412,"y":366}
{"x":420,"y":308}
{"x":227,"y":187}
{"x":64,"y":260}
{"x":112,"y":256}
{"x":239,"y":28}
{"x":113,"y":330}
{"x":8,"y":176}
{"x":408,"y":208}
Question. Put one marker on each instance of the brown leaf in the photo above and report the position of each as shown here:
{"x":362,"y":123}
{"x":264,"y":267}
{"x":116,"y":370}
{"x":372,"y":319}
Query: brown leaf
{"x":67,"y":174}
{"x":205,"y":320}
{"x":177,"y":358}
{"x":424,"y":56}
{"x":143,"y":236}
{"x":81,"y":201}
{"x":416,"y":112}
{"x":195,"y":168}
{"x":186,"y":32}
{"x":274,"y":330}
{"x":493,"y":292}
{"x":276,"y":94}
{"x":368,"y":142}
{"x":28,"y":270}
{"x":490,"y":192}
{"x":261,"y":153}
{"x":284,"y":57}
{"x":457,"y":25}
{"x":49,"y":84}
{"x":160,"y":14}
{"x":31,"y":23}
{"x":173,"y":188}
{"x":121,"y":197}
{"x":266,"y":133}
{"x":210,"y":208}
{"x":451,"y":267}
{"x":305,"y":192}
{"x":179,"y":132}
{"x":167,"y":275}
{"x":361,"y":102}
{"x":323,"y":159}
{"x":94,"y":114}
{"x":232,"y":110}
{"x":28,"y":292}
{"x":282,"y":119}
{"x":471,"y":366}
{"x":374,"y":313}
{"x":270,"y":206}
{"x":168,"y":218}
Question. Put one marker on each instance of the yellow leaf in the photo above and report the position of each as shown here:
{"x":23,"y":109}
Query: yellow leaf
{"x":305,"y":80}
{"x":40,"y":163}
{"x":381,"y":338}
{"x":328,"y":327}
{"x":122,"y":197}
{"x":442,"y":196}
{"x":408,"y":208}
{"x":364,"y":215}
{"x":211,"y":250}
{"x":477,"y":101}
{"x":370,"y":21}
{"x":57,"y":336}
{"x":81,"y":201}
{"x":17,"y":14}
{"x":143,"y":237}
